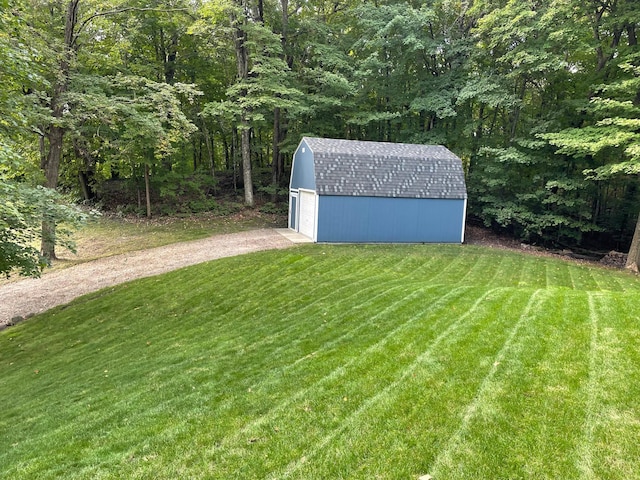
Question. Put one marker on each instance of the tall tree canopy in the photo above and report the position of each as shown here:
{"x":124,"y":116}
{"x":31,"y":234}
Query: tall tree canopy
{"x":161,"y":99}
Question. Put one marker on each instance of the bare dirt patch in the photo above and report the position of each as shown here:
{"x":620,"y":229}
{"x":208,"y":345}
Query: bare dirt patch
{"x":476,"y":235}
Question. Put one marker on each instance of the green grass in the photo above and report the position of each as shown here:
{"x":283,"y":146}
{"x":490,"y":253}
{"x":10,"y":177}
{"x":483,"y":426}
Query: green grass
{"x":333,"y":362}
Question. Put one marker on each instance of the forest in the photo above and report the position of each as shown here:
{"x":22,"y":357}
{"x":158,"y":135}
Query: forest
{"x":155,"y":107}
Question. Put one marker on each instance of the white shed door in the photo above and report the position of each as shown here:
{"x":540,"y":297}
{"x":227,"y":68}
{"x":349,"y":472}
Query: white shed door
{"x":307,"y":213}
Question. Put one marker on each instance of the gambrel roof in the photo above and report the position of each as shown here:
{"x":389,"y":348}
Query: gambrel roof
{"x":381,"y":169}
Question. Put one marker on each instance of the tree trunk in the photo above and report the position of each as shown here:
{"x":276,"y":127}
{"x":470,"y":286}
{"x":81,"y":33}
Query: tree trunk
{"x":242,"y":62}
{"x":631,"y":35}
{"x":633,"y":259}
{"x":228,"y":149}
{"x":234,"y":157}
{"x":147,"y":189}
{"x":55,"y":133}
{"x":86,"y":171}
{"x":277,"y":162}
{"x":275,"y":158}
{"x":170,"y":60}
{"x":51,"y":169}
{"x":246,"y":164}
{"x":83,"y":180}
{"x":210,"y":152}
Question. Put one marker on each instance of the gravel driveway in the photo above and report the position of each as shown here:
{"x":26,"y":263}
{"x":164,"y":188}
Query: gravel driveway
{"x":35,"y":295}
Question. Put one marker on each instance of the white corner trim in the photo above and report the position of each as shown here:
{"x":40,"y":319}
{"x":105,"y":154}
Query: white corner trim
{"x":464,"y":220}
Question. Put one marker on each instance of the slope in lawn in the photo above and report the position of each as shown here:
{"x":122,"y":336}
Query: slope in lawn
{"x":333,"y":362}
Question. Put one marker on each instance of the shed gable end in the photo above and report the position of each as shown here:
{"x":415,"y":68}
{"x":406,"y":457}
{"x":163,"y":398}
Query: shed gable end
{"x":303,"y":168}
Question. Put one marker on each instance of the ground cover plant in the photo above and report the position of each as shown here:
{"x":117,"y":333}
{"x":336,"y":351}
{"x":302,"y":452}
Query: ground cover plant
{"x":318,"y":362}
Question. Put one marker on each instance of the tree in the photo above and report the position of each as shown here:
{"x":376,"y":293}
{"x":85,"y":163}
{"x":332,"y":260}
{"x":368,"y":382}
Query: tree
{"x":240,"y":17}
{"x":612,"y":137}
{"x":63,"y":45}
{"x":54,"y":131}
{"x":123,"y":122}
{"x":262,"y":84}
{"x":530,"y":68}
{"x":151,"y":121}
{"x":22,"y":206}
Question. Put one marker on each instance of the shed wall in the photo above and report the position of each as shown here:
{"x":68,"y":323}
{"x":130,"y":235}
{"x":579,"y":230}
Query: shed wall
{"x":381,"y":219}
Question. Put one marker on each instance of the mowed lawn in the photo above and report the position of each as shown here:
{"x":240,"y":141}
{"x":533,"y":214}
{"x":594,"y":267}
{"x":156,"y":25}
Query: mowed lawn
{"x":327,"y":362}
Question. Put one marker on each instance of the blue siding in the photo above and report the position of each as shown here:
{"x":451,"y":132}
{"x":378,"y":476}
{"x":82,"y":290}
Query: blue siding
{"x":303,"y":172}
{"x":379,"y":219}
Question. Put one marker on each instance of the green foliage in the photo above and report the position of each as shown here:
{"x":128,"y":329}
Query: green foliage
{"x":22,"y":211}
{"x":118,"y":123}
{"x":323,"y":70}
{"x":274,"y":208}
{"x":614,"y":134}
{"x":521,"y":191}
{"x":147,"y":115}
{"x":19,"y":221}
{"x":268,"y":84}
{"x":272,"y":189}
{"x":185,"y":194}
{"x":409,"y":63}
{"x":19,"y":71}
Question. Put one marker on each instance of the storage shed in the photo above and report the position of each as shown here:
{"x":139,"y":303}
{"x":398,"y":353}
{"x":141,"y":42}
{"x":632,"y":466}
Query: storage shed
{"x":366,"y":192}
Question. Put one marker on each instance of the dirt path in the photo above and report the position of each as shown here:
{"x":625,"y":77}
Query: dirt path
{"x":35,"y":295}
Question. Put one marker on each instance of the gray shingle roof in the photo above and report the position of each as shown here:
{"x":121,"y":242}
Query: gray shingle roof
{"x":380,"y":169}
